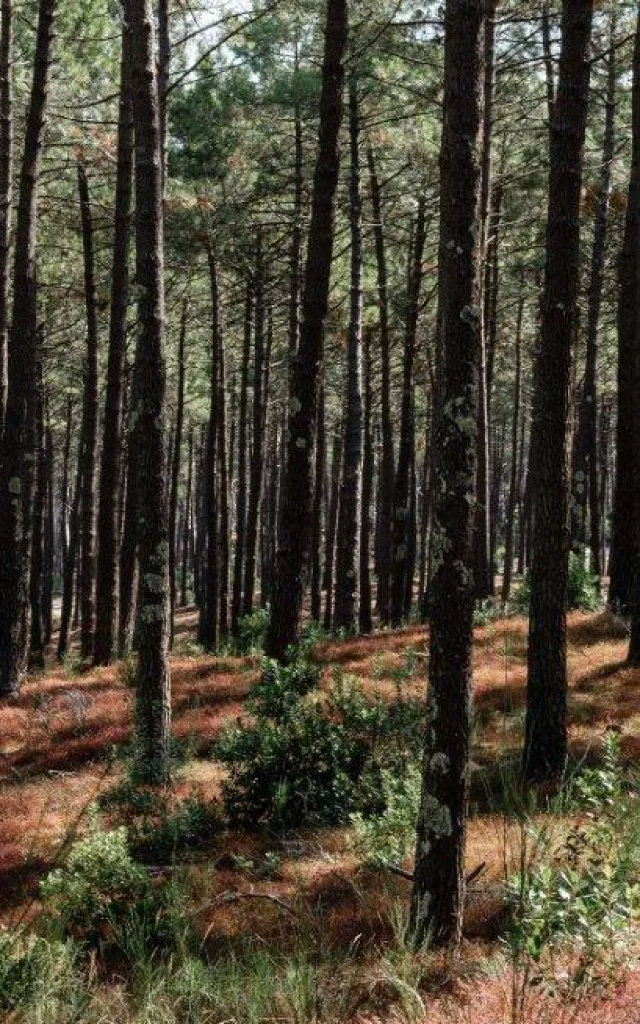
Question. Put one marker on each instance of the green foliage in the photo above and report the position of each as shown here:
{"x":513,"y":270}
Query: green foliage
{"x":281,"y":686}
{"x":103,"y":896}
{"x":252,"y":629}
{"x":389,"y":838}
{"x":166,"y":832}
{"x":30,"y":964}
{"x":584,"y":890}
{"x":310,"y":757}
{"x":582,"y":592}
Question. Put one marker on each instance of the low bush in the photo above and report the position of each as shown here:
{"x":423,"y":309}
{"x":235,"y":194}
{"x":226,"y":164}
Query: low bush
{"x":101,"y":896}
{"x":583,"y":592}
{"x":582,"y":893}
{"x":312,"y":758}
{"x":389,"y":838}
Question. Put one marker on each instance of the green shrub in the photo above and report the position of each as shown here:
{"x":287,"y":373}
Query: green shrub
{"x":251,"y":631}
{"x":312,"y":758}
{"x":103,"y":896}
{"x":582,"y":592}
{"x":584,"y":891}
{"x":31,"y":965}
{"x":281,"y":686}
{"x":389,"y":838}
{"x":168,"y":831}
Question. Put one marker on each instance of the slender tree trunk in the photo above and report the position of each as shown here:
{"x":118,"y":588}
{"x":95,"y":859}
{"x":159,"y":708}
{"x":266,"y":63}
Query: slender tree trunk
{"x":332,"y":525}
{"x":627,"y":483}
{"x":439,"y":881}
{"x":295,"y":524}
{"x":90,"y":448}
{"x":512,"y":500}
{"x":36,"y":638}
{"x":107,"y":572}
{"x":384,"y":525}
{"x":546,"y":728}
{"x":175,"y":470}
{"x":316,"y":541}
{"x":402,"y":490}
{"x":153,"y":685}
{"x":187,"y":531}
{"x":209,"y":609}
{"x":6,"y":189}
{"x":256,"y":475}
{"x":69,"y":568}
{"x":548,"y":61}
{"x":346,"y":605}
{"x":368,"y":471}
{"x":585,"y":505}
{"x":241,"y":501}
{"x":483,"y":570}
{"x":16,"y":456}
{"x":49,"y":539}
{"x":223,"y":477}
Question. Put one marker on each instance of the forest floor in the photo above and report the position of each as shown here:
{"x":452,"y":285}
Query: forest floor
{"x":57,"y":744}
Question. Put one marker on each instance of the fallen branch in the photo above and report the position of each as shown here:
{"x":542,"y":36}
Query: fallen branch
{"x":408,"y":876}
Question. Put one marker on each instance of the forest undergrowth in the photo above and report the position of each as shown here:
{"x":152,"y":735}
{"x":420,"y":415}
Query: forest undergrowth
{"x":270,"y":880}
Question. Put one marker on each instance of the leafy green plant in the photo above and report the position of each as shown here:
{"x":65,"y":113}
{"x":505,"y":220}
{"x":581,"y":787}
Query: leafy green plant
{"x":101,"y":895}
{"x":389,"y":838}
{"x":313,"y":758}
{"x":251,"y":631}
{"x":582,"y":591}
{"x":31,"y":965}
{"x":281,"y":686}
{"x":583,"y":891}
{"x":168,"y":831}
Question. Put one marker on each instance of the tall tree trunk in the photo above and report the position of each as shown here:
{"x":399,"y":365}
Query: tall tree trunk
{"x":175,"y":470}
{"x":483,"y":570}
{"x":625,"y":496}
{"x":256,"y":474}
{"x":90,"y":447}
{"x":69,"y":567}
{"x":512,"y":500}
{"x":585,"y":505}
{"x":16,"y":456}
{"x":6,"y":189}
{"x":318,"y":488}
{"x":402,"y":489}
{"x":295,"y":533}
{"x":241,"y":501}
{"x":439,"y":881}
{"x":107,"y":571}
{"x":365,"y":621}
{"x":546,"y":728}
{"x":223,"y":477}
{"x":209,"y":609}
{"x":48,"y":551}
{"x":332,"y":525}
{"x":384,"y":524}
{"x":36,"y":637}
{"x":153,"y":684}
{"x":346,"y":606}
{"x":187,"y":532}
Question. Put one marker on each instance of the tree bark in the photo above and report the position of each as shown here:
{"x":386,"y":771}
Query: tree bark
{"x":512,"y":500}
{"x":256,"y":474}
{"x":546,"y":728}
{"x":346,"y":604}
{"x":107,"y":572}
{"x":241,"y":500}
{"x":295,"y":532}
{"x":153,"y":684}
{"x":402,"y":489}
{"x":384,"y":525}
{"x":16,"y":456}
{"x":90,"y":414}
{"x":175,"y":471}
{"x":439,"y":879}
{"x":6,"y":190}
